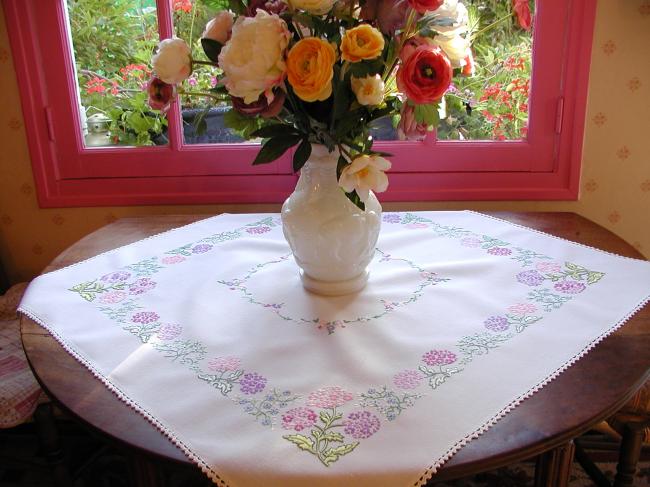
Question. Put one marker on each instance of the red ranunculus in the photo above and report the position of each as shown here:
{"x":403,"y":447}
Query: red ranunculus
{"x":424,"y":6}
{"x":160,"y":93}
{"x":425,"y":75}
{"x":522,"y":11}
{"x":261,"y":106}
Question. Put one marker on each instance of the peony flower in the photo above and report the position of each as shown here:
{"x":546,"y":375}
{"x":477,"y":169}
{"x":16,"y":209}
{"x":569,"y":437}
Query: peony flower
{"x":450,"y":19}
{"x":316,"y":7}
{"x":389,"y":15}
{"x":173,"y":61}
{"x":423,"y":6}
{"x":522,"y":11}
{"x":425,"y":75}
{"x":362,"y":42}
{"x":456,"y":48}
{"x":408,"y":128}
{"x":270,"y":6}
{"x":219,"y":28}
{"x":253,"y":59}
{"x":369,"y":90}
{"x":310,"y":65}
{"x":160,"y":93}
{"x":260,"y":107}
{"x":365,"y":173}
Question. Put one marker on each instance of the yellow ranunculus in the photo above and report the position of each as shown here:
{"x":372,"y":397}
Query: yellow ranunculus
{"x":362,"y":42}
{"x":310,"y":69}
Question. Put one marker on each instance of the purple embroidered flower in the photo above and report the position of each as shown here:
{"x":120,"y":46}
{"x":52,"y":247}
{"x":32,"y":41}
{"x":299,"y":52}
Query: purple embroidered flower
{"x":439,"y":357}
{"x":471,"y":242}
{"x":329,"y":397}
{"x":169,"y":331}
{"x":112,"y":297}
{"x":548,"y":267}
{"x":224,"y":364}
{"x":145,"y":317}
{"x":141,"y":285}
{"x":115,"y":277}
{"x":173,"y":259}
{"x":530,"y":278}
{"x":298,"y":419}
{"x":252,"y":383}
{"x":201,"y":248}
{"x":570,"y":287}
{"x":391,"y":218}
{"x":417,"y":225}
{"x":408,"y":379}
{"x":361,"y":424}
{"x":499,"y":251}
{"x":258,"y":230}
{"x":521,"y":309}
{"x":497,"y":323}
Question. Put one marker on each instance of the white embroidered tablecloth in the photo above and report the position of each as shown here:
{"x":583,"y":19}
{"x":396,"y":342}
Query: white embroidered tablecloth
{"x":207,"y":331}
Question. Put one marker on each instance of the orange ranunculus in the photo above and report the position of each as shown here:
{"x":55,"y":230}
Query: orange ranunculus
{"x":425,"y":75}
{"x":310,"y":69}
{"x":362,"y":42}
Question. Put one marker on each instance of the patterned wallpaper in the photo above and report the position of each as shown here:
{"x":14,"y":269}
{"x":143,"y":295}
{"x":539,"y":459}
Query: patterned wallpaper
{"x":615,"y":184}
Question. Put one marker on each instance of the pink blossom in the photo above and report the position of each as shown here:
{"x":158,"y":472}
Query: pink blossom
{"x":407,"y":379}
{"x":329,"y":397}
{"x":224,"y":364}
{"x":548,"y":267}
{"x":112,"y":297}
{"x":173,"y":259}
{"x":521,"y":309}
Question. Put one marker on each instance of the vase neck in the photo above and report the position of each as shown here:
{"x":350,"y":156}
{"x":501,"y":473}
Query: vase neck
{"x":320,"y":168}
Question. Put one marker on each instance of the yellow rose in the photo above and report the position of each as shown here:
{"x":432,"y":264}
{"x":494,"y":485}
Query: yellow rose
{"x":310,"y":69}
{"x":362,"y":42}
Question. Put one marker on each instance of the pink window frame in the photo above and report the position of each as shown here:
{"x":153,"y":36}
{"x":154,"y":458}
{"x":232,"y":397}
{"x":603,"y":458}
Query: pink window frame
{"x":546,"y":165}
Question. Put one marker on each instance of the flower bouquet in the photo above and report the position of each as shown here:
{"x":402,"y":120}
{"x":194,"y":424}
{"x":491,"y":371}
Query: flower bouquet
{"x":321,"y":72}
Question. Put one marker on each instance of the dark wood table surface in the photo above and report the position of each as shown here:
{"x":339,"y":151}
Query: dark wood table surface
{"x":542,"y":426}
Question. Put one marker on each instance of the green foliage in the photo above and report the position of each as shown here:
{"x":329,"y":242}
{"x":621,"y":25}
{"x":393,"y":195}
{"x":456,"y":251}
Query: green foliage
{"x":242,"y":125}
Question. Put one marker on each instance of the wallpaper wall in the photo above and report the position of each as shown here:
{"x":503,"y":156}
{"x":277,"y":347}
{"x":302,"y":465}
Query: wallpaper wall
{"x":615,"y":184}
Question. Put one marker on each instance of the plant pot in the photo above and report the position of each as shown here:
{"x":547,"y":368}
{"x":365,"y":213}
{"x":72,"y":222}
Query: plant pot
{"x":332,"y":240}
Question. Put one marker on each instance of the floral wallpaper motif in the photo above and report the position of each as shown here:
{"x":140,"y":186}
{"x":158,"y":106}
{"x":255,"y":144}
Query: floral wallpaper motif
{"x":615,"y":187}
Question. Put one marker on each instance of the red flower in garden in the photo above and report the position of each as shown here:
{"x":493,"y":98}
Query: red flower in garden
{"x":423,"y":6}
{"x":425,"y":76}
{"x":95,"y":85}
{"x":522,"y":11}
{"x":182,"y":5}
{"x":161,"y":94}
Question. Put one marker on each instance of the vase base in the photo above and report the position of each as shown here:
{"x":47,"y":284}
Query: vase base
{"x":334,"y":288}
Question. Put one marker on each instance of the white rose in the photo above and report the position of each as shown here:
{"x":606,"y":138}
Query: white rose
{"x":253,"y":59}
{"x":364,"y":174}
{"x":369,"y":90}
{"x":456,"y":48}
{"x":173,"y":61}
{"x":219,"y":28}
{"x":316,"y":7}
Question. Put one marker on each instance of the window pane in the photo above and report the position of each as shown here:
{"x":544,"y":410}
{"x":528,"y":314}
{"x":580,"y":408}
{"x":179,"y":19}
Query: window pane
{"x":492,"y":104}
{"x":112,"y":43}
{"x":203,"y":113}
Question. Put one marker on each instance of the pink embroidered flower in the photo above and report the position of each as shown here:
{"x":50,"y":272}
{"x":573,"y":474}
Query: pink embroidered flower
{"x":169,"y":331}
{"x":329,"y":397}
{"x":112,"y":297}
{"x":141,"y":285}
{"x":173,"y":259}
{"x":115,"y":277}
{"x":499,"y":251}
{"x":201,"y":248}
{"x":299,"y":419}
{"x":471,"y":242}
{"x":521,"y":309}
{"x":439,"y":357}
{"x":530,"y":278}
{"x":258,"y":230}
{"x":391,"y":218}
{"x":252,"y":383}
{"x":361,"y":424}
{"x":548,"y":267}
{"x":224,"y":364}
{"x":408,"y":379}
{"x":428,"y":275}
{"x":417,"y":225}
{"x":145,"y":317}
{"x":570,"y":287}
{"x":497,"y":323}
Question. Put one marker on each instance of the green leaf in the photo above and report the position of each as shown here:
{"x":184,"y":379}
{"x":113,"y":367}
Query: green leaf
{"x":354,"y":197}
{"x":333,"y":454}
{"x":427,"y":114}
{"x":594,"y":277}
{"x":275,"y":130}
{"x":342,"y":162}
{"x":211,"y":48}
{"x":275,"y":147}
{"x":241,"y":124}
{"x":367,"y":68}
{"x":302,"y":154}
{"x":301,"y":442}
{"x":200,"y":124}
{"x":333,"y":436}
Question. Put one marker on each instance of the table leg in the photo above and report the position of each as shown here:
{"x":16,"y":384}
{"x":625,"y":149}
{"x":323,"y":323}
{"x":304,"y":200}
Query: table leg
{"x":554,"y":466}
{"x":143,"y":471}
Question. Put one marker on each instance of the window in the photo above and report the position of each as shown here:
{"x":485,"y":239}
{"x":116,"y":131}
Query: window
{"x":536,"y":156}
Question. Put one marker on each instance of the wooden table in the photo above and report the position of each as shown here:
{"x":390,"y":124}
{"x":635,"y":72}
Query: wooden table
{"x":543,"y":425}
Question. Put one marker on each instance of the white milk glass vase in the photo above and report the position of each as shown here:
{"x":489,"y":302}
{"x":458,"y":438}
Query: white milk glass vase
{"x":332,"y":240}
